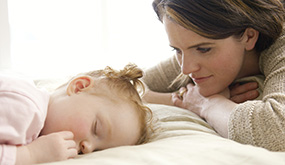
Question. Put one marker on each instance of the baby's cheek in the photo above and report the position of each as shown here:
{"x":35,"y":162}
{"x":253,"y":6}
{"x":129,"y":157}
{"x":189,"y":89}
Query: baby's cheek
{"x":81,"y":128}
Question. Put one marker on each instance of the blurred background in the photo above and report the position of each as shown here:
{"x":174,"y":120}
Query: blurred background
{"x":53,"y":38}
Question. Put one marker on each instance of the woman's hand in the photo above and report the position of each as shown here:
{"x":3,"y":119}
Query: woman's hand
{"x":241,"y":93}
{"x":215,"y":109}
{"x":189,"y":98}
{"x":236,"y":93}
{"x":52,"y":147}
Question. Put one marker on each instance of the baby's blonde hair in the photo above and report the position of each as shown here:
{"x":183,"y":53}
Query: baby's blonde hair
{"x":126,"y":85}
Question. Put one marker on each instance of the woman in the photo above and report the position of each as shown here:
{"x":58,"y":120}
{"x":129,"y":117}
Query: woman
{"x":219,"y":43}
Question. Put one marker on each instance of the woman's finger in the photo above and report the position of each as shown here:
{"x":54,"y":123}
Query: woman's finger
{"x":239,"y":89}
{"x":250,"y":95}
{"x":177,"y":101}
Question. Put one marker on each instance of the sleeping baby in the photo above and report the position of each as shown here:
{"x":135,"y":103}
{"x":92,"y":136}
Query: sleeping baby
{"x":93,"y":111}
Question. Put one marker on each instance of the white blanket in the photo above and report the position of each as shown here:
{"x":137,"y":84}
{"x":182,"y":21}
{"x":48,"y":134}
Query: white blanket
{"x":181,"y":137}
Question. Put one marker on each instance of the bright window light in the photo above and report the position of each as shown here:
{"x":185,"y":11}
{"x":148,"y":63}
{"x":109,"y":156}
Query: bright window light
{"x":52,"y":38}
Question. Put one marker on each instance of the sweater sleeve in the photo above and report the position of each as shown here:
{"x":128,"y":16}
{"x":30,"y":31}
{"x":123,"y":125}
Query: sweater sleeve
{"x":159,"y":77}
{"x":262,"y":123}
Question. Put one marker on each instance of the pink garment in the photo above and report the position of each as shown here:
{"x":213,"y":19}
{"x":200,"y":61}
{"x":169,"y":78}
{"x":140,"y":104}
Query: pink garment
{"x":23,"y":109}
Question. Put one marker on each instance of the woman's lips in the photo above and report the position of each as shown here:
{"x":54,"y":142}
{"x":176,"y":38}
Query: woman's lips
{"x":201,"y":79}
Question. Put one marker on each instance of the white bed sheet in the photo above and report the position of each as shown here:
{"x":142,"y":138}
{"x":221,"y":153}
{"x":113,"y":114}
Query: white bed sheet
{"x":181,"y":137}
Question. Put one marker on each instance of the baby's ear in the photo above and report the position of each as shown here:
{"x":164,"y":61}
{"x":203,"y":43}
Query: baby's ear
{"x":79,"y":84}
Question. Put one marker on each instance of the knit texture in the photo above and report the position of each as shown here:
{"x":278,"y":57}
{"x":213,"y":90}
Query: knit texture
{"x":159,"y":77}
{"x":262,"y":123}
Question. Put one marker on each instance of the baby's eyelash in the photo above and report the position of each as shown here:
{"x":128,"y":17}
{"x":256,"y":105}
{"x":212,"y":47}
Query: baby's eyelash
{"x":95,"y":127}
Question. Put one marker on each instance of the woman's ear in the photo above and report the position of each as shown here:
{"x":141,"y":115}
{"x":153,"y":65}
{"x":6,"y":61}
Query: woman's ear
{"x":79,"y":84}
{"x":250,"y":37}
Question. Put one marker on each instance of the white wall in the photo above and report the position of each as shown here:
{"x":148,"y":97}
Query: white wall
{"x":59,"y":37}
{"x":4,"y":36}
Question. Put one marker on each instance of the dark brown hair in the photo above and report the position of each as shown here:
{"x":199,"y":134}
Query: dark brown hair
{"x":219,"y":19}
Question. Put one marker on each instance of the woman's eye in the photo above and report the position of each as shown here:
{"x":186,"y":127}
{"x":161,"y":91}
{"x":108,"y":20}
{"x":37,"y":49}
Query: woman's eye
{"x":203,"y":50}
{"x":177,"y":51}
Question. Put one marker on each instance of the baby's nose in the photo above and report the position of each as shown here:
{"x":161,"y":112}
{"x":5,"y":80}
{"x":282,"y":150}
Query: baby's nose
{"x":86,"y":147}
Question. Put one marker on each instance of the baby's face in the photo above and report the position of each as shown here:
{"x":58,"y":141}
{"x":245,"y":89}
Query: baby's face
{"x":96,"y":122}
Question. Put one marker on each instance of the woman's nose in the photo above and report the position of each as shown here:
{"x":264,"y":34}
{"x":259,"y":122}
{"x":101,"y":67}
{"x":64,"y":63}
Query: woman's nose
{"x":86,"y":147}
{"x":189,"y":65}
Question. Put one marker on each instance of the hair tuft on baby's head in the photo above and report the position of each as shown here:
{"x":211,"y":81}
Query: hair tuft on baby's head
{"x":128,"y":85}
{"x":131,"y":73}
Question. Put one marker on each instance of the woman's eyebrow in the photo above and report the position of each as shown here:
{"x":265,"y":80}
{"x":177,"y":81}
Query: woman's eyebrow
{"x":200,"y":44}
{"x":196,"y":45}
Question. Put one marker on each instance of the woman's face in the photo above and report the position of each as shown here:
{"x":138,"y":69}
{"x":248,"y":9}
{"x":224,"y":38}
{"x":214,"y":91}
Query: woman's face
{"x":212,"y":64}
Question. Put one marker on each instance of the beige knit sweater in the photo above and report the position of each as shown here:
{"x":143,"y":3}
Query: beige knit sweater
{"x":260,"y":122}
